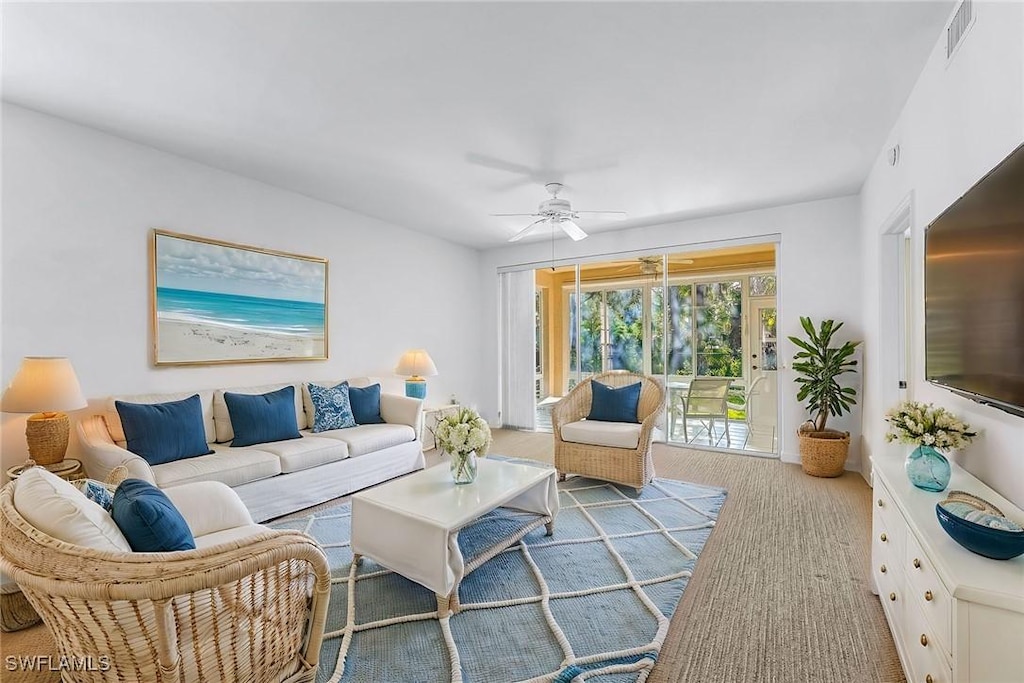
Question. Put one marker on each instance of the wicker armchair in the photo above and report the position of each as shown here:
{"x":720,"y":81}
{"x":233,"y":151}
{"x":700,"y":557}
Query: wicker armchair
{"x":249,"y":609}
{"x":629,"y":466}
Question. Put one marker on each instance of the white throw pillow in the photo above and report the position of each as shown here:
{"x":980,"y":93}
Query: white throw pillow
{"x":58,"y":509}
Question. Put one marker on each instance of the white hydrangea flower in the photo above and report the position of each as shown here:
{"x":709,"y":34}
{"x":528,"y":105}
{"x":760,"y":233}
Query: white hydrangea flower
{"x":919,"y":423}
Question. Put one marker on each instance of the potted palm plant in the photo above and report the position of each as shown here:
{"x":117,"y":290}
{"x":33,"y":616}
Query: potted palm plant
{"x":818,"y":363}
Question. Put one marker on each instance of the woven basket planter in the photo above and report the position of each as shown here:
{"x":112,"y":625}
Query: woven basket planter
{"x":823,"y":454}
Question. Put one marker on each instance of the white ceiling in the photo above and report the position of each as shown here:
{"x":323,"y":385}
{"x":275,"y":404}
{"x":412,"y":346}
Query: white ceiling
{"x":433,"y":116}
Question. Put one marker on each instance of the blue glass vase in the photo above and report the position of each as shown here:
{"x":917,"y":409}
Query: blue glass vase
{"x":928,"y":469}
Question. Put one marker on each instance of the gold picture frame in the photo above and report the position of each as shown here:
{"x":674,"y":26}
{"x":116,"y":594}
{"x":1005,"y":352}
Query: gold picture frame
{"x":215,"y":302}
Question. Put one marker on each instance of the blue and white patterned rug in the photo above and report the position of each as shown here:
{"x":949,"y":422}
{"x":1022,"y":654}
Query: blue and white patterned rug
{"x":592,"y":602}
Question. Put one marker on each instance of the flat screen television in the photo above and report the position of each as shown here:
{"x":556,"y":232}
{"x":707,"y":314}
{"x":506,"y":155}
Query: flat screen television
{"x":974,"y":291}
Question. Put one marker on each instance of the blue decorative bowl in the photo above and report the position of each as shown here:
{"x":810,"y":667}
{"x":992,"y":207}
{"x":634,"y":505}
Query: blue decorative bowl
{"x":997,"y":544}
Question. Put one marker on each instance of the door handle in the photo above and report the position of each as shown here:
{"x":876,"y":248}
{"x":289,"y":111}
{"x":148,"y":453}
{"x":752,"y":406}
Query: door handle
{"x":753,"y":367}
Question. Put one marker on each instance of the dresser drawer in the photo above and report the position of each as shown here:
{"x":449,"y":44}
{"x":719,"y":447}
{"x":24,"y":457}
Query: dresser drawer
{"x":891,"y":595}
{"x":928,"y":664}
{"x":887,"y":525}
{"x":928,"y":593}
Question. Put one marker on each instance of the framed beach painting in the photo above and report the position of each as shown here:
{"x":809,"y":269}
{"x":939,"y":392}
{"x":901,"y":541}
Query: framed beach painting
{"x":218,"y":302}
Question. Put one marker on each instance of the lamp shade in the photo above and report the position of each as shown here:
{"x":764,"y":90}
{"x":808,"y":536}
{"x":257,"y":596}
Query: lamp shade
{"x":43,"y":384}
{"x":416,"y":363}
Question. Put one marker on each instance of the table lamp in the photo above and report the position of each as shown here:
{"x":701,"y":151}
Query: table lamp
{"x":416,"y":364}
{"x":45,"y":386}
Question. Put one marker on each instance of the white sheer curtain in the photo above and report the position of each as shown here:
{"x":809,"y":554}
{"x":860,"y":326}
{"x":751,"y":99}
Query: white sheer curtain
{"x":517,"y":304}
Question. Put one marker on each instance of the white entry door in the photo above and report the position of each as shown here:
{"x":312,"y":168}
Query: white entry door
{"x":763,"y":392}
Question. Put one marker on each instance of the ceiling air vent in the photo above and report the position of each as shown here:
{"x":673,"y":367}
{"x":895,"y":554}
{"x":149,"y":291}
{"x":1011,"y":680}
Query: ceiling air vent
{"x":958,"y":27}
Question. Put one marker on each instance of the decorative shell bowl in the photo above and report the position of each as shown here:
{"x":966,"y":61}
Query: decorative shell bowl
{"x":980,"y":526}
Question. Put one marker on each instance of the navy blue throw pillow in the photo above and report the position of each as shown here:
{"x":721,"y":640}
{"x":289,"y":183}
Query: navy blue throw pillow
{"x":262,"y":418}
{"x":164,"y":432}
{"x":148,"y":519}
{"x":366,"y":404}
{"x":609,"y":404}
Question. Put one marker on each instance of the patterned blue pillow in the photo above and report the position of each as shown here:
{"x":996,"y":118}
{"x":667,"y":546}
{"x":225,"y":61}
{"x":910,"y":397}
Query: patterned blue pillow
{"x":97,"y":493}
{"x":331,"y":407}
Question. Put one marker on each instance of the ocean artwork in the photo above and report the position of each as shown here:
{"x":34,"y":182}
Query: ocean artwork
{"x":216,"y":302}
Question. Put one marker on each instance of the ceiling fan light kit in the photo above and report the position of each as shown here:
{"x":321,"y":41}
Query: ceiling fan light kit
{"x":556,"y":212}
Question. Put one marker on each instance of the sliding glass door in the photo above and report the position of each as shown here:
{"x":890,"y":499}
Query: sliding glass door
{"x":683,"y":317}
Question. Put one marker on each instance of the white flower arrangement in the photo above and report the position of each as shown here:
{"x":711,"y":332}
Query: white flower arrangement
{"x":925,"y":425}
{"x":463,"y":432}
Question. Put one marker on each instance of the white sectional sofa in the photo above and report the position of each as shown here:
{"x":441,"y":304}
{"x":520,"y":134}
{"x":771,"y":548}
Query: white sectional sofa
{"x":274,"y":478}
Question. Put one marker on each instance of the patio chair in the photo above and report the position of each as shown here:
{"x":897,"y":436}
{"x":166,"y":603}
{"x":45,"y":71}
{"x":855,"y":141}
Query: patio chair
{"x":249,"y":603}
{"x":619,"y":452}
{"x":706,"y":401}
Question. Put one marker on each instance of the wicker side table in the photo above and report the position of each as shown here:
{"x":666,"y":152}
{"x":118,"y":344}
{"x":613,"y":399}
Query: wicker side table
{"x":68,"y":469}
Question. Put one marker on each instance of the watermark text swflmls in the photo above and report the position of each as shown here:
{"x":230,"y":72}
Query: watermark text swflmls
{"x":54,"y":663}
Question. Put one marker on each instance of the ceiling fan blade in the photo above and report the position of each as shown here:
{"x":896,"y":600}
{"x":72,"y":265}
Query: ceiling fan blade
{"x":517,"y":215}
{"x":609,"y":213}
{"x":525,"y":231}
{"x":574,"y":231}
{"x":499,"y":164}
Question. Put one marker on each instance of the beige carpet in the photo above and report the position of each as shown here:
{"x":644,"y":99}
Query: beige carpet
{"x":781,"y":591}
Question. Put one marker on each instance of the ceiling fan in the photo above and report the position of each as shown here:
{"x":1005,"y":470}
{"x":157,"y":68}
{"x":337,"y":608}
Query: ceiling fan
{"x":650,"y":266}
{"x":556,"y":212}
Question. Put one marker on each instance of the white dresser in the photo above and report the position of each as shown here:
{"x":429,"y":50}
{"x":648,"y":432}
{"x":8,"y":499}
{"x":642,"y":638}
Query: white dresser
{"x":955,"y":616}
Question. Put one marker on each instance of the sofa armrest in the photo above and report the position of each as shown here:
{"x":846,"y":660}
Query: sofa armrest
{"x":100,"y":455}
{"x":209,"y":507}
{"x":401,"y":410}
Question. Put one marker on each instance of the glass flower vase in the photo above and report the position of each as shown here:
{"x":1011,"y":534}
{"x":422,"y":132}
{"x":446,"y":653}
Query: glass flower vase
{"x":463,"y":467}
{"x":928,"y":469}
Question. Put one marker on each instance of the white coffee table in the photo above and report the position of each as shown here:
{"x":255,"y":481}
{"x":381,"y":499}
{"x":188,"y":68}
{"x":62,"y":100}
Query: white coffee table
{"x":411,"y":525}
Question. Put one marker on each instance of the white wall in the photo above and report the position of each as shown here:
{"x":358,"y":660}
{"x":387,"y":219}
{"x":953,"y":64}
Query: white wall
{"x":819,"y":276}
{"x":77,"y":211}
{"x":960,"y":120}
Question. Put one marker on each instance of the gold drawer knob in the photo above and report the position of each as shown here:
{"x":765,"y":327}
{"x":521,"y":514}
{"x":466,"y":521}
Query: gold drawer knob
{"x":928,"y":679}
{"x":892,"y":596}
{"x":924,"y":640}
{"x":883,"y":569}
{"x":880,"y":503}
{"x":884,"y":537}
{"x":917,"y":563}
{"x":928,"y":596}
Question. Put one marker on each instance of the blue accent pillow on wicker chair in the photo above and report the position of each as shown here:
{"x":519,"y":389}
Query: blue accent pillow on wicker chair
{"x":148,"y":519}
{"x":262,"y":418}
{"x":332,"y":408}
{"x":164,"y":432}
{"x":610,"y":404}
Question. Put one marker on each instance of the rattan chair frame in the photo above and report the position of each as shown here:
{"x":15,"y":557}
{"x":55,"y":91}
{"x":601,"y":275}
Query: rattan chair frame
{"x":630,"y":467}
{"x":253,"y":609}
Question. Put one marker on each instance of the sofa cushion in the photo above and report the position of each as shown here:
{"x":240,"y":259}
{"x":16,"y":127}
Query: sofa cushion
{"x":614,"y":404}
{"x":57,"y":508}
{"x":262,"y":418}
{"x":113,"y":420}
{"x":163,"y":432}
{"x":149,"y":520}
{"x":332,"y":408}
{"x":208,"y":507}
{"x":597,"y":433}
{"x":233,"y":466}
{"x":222,"y":418}
{"x":366,"y":404}
{"x":227,"y":535}
{"x":369,"y":438}
{"x":307,"y":452}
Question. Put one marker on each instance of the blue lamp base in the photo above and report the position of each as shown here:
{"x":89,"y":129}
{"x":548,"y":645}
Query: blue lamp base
{"x":416,"y":388}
